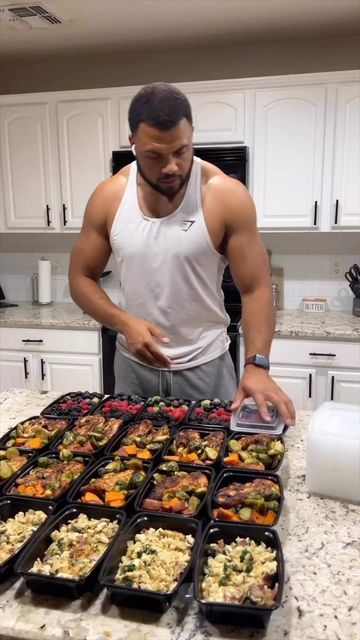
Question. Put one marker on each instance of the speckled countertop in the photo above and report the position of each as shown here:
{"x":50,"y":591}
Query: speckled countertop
{"x":58,"y":315}
{"x":321,"y":596}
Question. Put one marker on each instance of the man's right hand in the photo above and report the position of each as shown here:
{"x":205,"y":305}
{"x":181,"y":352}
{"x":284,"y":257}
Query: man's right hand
{"x":141,"y":337}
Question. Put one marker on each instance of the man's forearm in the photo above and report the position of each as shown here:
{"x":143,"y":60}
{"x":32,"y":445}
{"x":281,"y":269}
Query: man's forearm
{"x":258,"y":321}
{"x":93,"y":300}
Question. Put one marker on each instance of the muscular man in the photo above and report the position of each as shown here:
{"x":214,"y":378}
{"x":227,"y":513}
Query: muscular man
{"x":173,"y":222}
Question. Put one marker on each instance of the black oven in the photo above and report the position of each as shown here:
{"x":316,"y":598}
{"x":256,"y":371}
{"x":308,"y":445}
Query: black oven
{"x":232,"y":160}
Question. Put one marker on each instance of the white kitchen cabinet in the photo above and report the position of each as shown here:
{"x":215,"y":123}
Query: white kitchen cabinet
{"x":345,"y":193}
{"x":288,"y":155}
{"x":218,"y":117}
{"x":16,"y":371}
{"x":85,"y":146}
{"x":50,"y":359}
{"x":314,"y":371}
{"x":29,"y":181}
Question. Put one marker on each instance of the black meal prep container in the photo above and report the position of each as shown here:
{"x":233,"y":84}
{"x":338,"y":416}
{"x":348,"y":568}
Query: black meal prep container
{"x":29,"y":453}
{"x":159,"y":421}
{"x":55,"y":444}
{"x":116,"y":443}
{"x":7,"y":435}
{"x":46,"y":411}
{"x":52,"y":585}
{"x":246,"y":615}
{"x":235,"y":435}
{"x":149,"y":484}
{"x":88,"y":460}
{"x":145,"y":598}
{"x":74,"y":494}
{"x":203,"y":432}
{"x":191,"y":420}
{"x":116,"y":397}
{"x":9,"y":507}
{"x":228,"y":476}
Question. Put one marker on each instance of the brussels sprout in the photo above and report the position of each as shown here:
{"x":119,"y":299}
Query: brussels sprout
{"x":167,"y":496}
{"x":65,"y":455}
{"x":273,"y":505}
{"x":200,"y":491}
{"x":205,"y":403}
{"x":121,"y":485}
{"x":134,"y":464}
{"x":127,"y":441}
{"x":5,"y":470}
{"x":158,"y":477}
{"x":52,"y":486}
{"x":182,"y":495}
{"x":154,"y":446}
{"x":10,"y":442}
{"x":43,"y":462}
{"x":137,"y":478}
{"x":11,"y":453}
{"x":235,"y":445}
{"x":115,"y":465}
{"x":169,"y":466}
{"x":2,"y":455}
{"x":161,"y":437}
{"x":276,"y":448}
{"x":95,"y":400}
{"x":68,"y":438}
{"x":194,"y":504}
{"x":67,"y":476}
{"x":211,"y":453}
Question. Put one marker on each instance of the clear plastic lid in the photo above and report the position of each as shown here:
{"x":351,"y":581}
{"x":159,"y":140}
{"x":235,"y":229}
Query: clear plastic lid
{"x":248,"y":418}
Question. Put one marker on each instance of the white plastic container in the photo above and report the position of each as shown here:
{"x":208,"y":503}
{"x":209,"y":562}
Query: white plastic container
{"x":333,"y":451}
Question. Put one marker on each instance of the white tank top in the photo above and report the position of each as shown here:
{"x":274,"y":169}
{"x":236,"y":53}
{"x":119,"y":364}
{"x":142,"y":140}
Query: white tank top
{"x":170,"y":274}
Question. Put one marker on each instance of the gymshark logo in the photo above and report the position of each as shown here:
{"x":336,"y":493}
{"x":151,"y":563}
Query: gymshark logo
{"x":186,"y":224}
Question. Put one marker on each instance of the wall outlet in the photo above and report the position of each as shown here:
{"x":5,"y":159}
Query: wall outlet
{"x":336,"y":269}
{"x":56,"y":267}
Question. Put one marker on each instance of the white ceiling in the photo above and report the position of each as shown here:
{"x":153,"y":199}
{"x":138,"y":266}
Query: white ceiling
{"x":104,"y":25}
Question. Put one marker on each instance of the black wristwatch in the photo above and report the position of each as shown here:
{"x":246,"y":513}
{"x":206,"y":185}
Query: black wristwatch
{"x":259,"y":361}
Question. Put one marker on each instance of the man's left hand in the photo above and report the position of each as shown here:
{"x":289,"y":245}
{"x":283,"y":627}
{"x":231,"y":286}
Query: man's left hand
{"x":258,"y":384}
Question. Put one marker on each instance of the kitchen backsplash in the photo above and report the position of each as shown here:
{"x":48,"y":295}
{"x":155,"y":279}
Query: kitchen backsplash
{"x":312,"y":275}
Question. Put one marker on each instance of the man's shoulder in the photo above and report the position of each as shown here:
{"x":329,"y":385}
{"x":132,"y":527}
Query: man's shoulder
{"x":219,"y":186}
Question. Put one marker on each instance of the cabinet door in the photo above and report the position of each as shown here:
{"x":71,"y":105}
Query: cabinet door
{"x":288,"y":156}
{"x":299,"y":384}
{"x":218,"y":117}
{"x":16,"y":371}
{"x":27,"y":167}
{"x":344,"y":386}
{"x":345,"y":202}
{"x":66,"y":373}
{"x":85,"y":144}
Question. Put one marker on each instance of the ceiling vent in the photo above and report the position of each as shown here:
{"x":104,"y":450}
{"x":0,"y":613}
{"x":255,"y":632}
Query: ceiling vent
{"x":29,"y":16}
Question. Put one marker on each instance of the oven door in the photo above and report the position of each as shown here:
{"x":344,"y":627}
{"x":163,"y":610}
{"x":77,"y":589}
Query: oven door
{"x":108,"y":346}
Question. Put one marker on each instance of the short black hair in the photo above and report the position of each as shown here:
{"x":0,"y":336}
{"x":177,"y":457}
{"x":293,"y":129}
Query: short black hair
{"x":159,"y":105}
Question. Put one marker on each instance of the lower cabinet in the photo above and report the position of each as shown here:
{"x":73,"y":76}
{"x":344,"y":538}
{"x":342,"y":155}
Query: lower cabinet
{"x":16,"y":371}
{"x":63,"y":373}
{"x":333,"y":374}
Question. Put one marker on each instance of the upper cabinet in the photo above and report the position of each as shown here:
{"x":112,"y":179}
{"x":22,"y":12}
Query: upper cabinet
{"x":218,"y":117}
{"x":345,"y":192}
{"x":85,"y":145}
{"x":288,"y":156}
{"x":29,"y":182}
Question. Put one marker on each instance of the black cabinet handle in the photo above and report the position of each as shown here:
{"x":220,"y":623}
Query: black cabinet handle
{"x":332,"y":387}
{"x":42,"y":362}
{"x":26,"y":369}
{"x":48,"y":215}
{"x":64,"y":215}
{"x":29,"y":340}
{"x":310,"y":385}
{"x":315,"y":212}
{"x":336,"y":211}
{"x":324,"y":355}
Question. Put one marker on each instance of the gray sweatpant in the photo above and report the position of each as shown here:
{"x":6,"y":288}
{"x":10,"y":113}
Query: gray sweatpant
{"x":214,"y":379}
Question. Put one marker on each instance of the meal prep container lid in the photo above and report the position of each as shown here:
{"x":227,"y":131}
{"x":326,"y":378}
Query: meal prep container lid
{"x":247,"y":418}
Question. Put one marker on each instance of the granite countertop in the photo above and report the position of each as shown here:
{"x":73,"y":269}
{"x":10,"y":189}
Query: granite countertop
{"x":320,"y":600}
{"x":58,"y":315}
{"x":330,"y":325}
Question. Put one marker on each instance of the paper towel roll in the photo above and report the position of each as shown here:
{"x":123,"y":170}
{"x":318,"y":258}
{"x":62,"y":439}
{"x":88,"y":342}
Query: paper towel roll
{"x":44,"y":281}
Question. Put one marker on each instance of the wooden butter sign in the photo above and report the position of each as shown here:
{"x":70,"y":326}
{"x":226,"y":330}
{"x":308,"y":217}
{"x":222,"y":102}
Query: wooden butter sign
{"x":314,"y":305}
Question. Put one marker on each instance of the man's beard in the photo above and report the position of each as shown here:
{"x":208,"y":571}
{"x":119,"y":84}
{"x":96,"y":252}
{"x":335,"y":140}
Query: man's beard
{"x":168,"y":192}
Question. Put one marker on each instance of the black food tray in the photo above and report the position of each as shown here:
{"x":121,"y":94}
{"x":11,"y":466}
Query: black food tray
{"x":230,"y":613}
{"x":6,"y":436}
{"x":204,"y":432}
{"x":55,"y":444}
{"x":9,"y":507}
{"x":159,"y":418}
{"x":144,"y":598}
{"x":126,"y":416}
{"x":217,"y":424}
{"x":64,"y":587}
{"x":24,"y":470}
{"x":148,"y":486}
{"x":74,"y":494}
{"x":227,"y":476}
{"x":116,"y":442}
{"x":29,"y":453}
{"x":235,"y":435}
{"x":46,"y":412}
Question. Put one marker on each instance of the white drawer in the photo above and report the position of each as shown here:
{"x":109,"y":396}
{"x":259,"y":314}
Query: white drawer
{"x":55,"y":340}
{"x":329,"y":353}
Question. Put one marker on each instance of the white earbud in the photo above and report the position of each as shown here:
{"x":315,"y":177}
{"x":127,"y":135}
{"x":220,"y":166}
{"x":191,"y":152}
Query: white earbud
{"x":133,"y":149}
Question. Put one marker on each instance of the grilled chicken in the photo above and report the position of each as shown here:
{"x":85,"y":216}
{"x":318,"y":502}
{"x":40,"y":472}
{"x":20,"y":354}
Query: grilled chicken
{"x":260,"y":438}
{"x":234,"y":494}
{"x":97,"y":423}
{"x":30,"y":427}
{"x":173,"y":484}
{"x":17,"y":462}
{"x":186,"y":437}
{"x":140,"y":430}
{"x":214,"y":440}
{"x":43,"y":475}
{"x":108,"y":481}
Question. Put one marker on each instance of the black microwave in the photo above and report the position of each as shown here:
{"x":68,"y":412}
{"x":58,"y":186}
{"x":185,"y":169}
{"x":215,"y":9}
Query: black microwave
{"x":232,"y":160}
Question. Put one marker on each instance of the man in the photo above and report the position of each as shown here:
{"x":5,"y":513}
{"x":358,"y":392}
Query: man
{"x":173,"y":222}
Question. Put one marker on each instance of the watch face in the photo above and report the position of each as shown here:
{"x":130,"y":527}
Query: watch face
{"x":261,"y":361}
